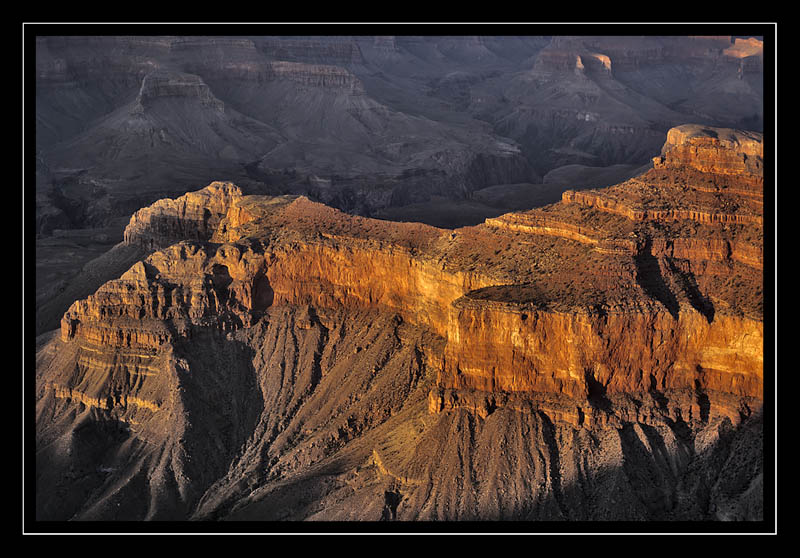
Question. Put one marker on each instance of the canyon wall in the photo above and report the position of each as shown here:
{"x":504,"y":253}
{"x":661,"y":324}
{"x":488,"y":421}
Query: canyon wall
{"x":500,"y":348}
{"x":652,"y":327}
{"x":275,"y":358}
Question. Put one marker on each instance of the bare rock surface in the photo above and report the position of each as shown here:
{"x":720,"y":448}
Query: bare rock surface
{"x":363,"y":123}
{"x":600,"y":358}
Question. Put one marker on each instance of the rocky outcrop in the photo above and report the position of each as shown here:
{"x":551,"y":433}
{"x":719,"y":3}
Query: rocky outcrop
{"x":316,"y":75}
{"x":601,"y":240}
{"x":162,"y":84}
{"x":147,"y":306}
{"x":744,"y":48}
{"x":710,"y":176}
{"x":331,"y":269}
{"x":194,"y":215}
{"x":573,"y":58}
{"x":717,"y":151}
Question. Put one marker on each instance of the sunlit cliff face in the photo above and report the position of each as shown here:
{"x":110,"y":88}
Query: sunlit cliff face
{"x":258,"y":321}
{"x":545,"y":301}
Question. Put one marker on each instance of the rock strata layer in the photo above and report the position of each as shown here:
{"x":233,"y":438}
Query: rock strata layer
{"x":584,"y":312}
{"x":644,"y":288}
{"x":366,"y":124}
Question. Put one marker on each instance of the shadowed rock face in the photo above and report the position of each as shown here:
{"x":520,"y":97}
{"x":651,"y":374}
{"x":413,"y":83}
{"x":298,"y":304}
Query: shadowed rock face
{"x":585,"y":360}
{"x":605,"y":100}
{"x":363,"y":123}
{"x":192,"y":109}
{"x":157,"y":85}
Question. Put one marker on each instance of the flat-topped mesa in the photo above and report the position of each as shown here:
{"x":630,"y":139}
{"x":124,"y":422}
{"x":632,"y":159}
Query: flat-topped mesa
{"x":322,"y":257}
{"x":163,"y":84}
{"x":317,"y":255}
{"x":713,"y":150}
{"x":193,"y":216}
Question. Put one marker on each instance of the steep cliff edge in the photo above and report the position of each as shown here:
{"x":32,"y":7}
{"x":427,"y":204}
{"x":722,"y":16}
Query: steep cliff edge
{"x":578,"y":321}
{"x":713,"y":150}
{"x":194,"y":215}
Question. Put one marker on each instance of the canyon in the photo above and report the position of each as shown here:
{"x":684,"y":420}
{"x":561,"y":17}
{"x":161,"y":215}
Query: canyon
{"x":265,"y":356}
{"x":372,"y":125}
{"x":445,"y":130}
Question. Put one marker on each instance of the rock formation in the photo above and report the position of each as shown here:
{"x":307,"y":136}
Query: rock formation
{"x":716,"y":151}
{"x":275,"y":358}
{"x":363,"y":123}
{"x":156,"y":85}
{"x":195,"y":215}
{"x":609,"y":100}
{"x":244,"y":109}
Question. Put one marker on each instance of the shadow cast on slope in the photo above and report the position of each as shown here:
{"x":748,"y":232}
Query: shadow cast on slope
{"x":651,"y":280}
{"x":222,"y":401}
{"x":654,"y":489}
